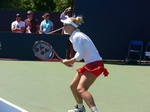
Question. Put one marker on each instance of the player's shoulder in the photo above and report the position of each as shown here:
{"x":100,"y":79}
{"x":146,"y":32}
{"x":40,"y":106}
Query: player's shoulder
{"x":77,"y":35}
{"x":80,"y":34}
{"x":77,"y":32}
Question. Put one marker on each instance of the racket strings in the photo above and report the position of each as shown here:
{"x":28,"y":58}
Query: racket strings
{"x":43,"y":51}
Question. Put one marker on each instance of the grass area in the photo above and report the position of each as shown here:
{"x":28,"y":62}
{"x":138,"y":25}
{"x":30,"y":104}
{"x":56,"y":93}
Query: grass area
{"x":44,"y":87}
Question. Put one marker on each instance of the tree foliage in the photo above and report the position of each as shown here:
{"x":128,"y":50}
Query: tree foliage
{"x":36,"y":5}
{"x":62,"y":4}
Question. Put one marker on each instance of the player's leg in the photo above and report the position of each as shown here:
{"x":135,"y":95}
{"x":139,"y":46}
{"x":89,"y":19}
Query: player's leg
{"x":73,"y":86}
{"x":86,"y":80}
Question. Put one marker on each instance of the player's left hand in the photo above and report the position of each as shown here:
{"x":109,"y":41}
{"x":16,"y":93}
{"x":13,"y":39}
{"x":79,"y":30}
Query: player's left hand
{"x":67,"y":62}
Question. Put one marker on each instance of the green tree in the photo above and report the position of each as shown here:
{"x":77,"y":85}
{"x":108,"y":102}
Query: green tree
{"x":10,"y":4}
{"x":62,"y":4}
{"x":36,"y":5}
{"x":44,"y":5}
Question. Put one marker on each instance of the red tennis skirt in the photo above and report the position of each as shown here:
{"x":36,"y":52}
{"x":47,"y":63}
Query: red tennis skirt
{"x":96,"y":68}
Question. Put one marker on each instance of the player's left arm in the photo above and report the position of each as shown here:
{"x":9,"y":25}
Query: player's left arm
{"x":78,"y":47}
{"x":69,"y":62}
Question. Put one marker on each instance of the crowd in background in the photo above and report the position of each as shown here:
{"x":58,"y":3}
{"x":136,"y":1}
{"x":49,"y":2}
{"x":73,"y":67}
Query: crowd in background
{"x":32,"y":25}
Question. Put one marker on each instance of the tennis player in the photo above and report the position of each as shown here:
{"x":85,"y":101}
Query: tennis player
{"x":87,"y":74}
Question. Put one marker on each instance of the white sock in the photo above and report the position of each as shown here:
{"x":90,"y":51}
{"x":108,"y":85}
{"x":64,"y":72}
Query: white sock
{"x":80,"y":105}
{"x":94,"y":109}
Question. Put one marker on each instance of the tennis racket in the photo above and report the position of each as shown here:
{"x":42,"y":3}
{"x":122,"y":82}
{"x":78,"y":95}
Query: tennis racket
{"x":44,"y":51}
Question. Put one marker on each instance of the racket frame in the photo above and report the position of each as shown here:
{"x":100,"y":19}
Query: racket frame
{"x":53,"y":51}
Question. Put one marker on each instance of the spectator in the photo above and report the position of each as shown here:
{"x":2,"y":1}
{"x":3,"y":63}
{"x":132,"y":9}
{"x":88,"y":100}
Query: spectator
{"x":46,"y":25}
{"x":31,"y":23}
{"x":67,"y":13}
{"x":18,"y":26}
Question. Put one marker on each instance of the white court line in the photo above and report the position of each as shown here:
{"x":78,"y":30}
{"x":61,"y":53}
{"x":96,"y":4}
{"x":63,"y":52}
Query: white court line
{"x":15,"y":106}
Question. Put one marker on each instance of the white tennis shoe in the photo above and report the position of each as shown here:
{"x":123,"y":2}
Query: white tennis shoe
{"x":78,"y":109}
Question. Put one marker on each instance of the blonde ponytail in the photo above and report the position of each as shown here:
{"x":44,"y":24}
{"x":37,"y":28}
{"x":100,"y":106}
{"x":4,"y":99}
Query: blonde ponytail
{"x":78,"y":20}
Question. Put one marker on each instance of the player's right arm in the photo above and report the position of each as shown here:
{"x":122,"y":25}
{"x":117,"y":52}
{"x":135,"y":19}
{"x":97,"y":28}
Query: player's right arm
{"x":78,"y":47}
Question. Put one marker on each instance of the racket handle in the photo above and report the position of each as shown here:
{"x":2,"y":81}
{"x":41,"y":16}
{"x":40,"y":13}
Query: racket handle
{"x":71,"y":65}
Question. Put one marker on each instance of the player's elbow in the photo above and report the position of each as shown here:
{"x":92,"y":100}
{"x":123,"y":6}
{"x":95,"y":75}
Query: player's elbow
{"x":79,"y":57}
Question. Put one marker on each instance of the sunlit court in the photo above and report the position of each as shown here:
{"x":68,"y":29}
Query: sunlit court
{"x":38,"y":86}
{"x":74,"y":56}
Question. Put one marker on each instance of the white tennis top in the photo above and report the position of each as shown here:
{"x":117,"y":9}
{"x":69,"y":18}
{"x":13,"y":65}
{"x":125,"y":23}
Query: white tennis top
{"x":84,"y":47}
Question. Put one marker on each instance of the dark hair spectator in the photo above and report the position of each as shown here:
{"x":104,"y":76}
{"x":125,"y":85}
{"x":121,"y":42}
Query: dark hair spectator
{"x":18,"y":26}
{"x":31,"y":24}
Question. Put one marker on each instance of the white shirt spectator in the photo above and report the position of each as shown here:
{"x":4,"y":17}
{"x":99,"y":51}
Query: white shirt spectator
{"x":16,"y":24}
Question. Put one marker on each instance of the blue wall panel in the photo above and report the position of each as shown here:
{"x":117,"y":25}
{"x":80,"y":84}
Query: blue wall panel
{"x":111,"y":24}
{"x":19,"y":46}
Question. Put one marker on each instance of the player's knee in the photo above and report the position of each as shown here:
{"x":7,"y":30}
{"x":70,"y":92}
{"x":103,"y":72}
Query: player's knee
{"x":72,"y":87}
{"x":81,"y":90}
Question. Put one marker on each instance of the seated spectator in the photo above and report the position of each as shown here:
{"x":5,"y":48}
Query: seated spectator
{"x":18,"y":26}
{"x":46,"y":25}
{"x":31,"y":23}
